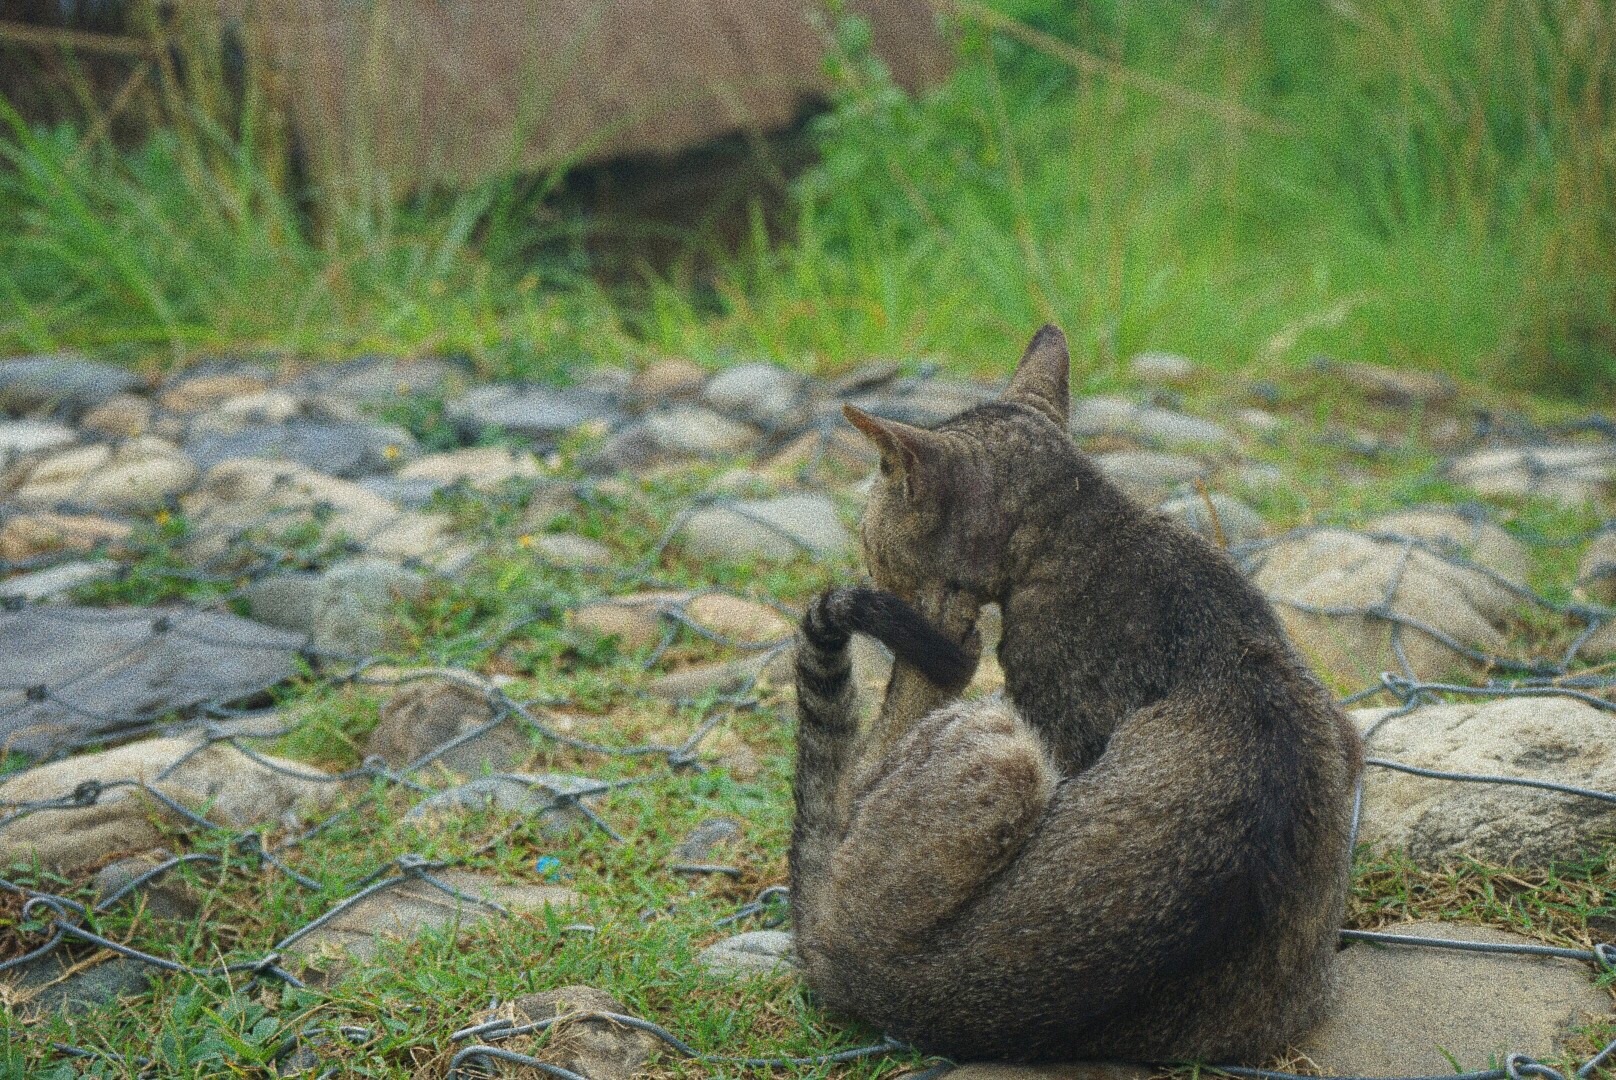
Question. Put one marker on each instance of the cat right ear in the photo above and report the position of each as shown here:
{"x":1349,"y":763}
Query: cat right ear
{"x":1042,"y":378}
{"x":913,"y":452}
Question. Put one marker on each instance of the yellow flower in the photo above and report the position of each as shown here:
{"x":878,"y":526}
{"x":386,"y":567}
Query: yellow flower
{"x":391,"y":452}
{"x":163,"y":517}
{"x":525,"y":540}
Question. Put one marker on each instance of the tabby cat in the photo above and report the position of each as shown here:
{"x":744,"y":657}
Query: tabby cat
{"x":1142,"y":854}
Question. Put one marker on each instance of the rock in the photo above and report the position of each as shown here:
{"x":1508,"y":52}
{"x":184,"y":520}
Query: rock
{"x":1236,"y":522}
{"x":1162,"y":367}
{"x":636,"y":621}
{"x":737,"y":619}
{"x":413,"y":907}
{"x":869,"y":375}
{"x":692,"y":431}
{"x":1411,"y":1011}
{"x":162,"y":897}
{"x":482,"y":467}
{"x":207,"y":391}
{"x":339,"y":449}
{"x":706,"y":839}
{"x":539,"y":413}
{"x":598,"y":1049}
{"x":699,"y":680}
{"x":837,"y":455}
{"x":1336,"y":569}
{"x":1096,"y":416}
{"x":665,"y":380}
{"x":265,"y":409}
{"x":425,"y":715}
{"x":63,"y":381}
{"x":378,"y":380}
{"x":123,"y":416}
{"x":1258,"y":421}
{"x":1147,"y":475}
{"x":29,"y":535}
{"x":347,"y":610}
{"x":105,"y":669}
{"x":780,"y":528}
{"x":1437,"y":821}
{"x":234,"y":791}
{"x":1602,"y":643}
{"x":19,"y":437}
{"x":1568,"y":475}
{"x":925,"y":401}
{"x":762,"y":394}
{"x":139,"y":474}
{"x":1596,"y":573}
{"x":57,"y":580}
{"x":1390,"y":386}
{"x":53,"y":984}
{"x":240,"y":498}
{"x":1258,"y":478}
{"x":545,"y":796}
{"x":572,"y":551}
{"x":1469,"y":536}
{"x":745,"y":956}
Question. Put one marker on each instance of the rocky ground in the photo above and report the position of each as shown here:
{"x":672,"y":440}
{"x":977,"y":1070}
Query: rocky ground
{"x":361,"y":715}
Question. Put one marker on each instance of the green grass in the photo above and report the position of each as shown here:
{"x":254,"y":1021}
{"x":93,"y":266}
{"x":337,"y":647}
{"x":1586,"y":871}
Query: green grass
{"x":1409,"y":183}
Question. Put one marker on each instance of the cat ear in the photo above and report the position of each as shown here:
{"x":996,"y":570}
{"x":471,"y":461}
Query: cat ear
{"x":912,"y":451}
{"x":1042,"y":378}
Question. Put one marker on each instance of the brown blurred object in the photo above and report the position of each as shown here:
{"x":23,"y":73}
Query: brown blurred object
{"x":423,"y":92}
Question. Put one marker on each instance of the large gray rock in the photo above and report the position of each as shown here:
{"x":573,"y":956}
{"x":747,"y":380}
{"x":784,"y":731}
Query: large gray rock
{"x":248,"y":499}
{"x":780,"y":528}
{"x":427,"y":714}
{"x":544,"y":796}
{"x":1411,"y":1011}
{"x":692,"y":431}
{"x":744,"y":956}
{"x":378,"y":380}
{"x":346,"y":610}
{"x":413,"y":907}
{"x":64,"y":381}
{"x":56,"y":581}
{"x":18,"y":437}
{"x":56,"y":984}
{"x":1569,"y":475}
{"x":1327,"y":584}
{"x":1596,"y":573}
{"x":598,"y":1049}
{"x":1556,"y":739}
{"x":106,"y":669}
{"x":1147,"y":475}
{"x":138,"y":474}
{"x":539,"y":413}
{"x":1097,"y":416}
{"x":339,"y":449}
{"x":1229,"y":519}
{"x":234,"y":790}
{"x":1468,"y":535}
{"x":762,"y":394}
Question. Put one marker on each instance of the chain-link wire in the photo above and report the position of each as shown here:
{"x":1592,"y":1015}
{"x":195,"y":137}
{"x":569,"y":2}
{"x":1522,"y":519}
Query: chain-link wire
{"x":266,"y":523}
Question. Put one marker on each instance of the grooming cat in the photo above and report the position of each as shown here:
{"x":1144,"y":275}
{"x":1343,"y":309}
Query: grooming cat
{"x":1143,"y":853}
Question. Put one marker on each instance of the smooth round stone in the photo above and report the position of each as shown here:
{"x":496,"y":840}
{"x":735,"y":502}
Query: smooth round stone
{"x":780,"y":528}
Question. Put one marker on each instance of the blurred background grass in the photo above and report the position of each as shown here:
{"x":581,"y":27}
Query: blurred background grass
{"x":1422,"y":183}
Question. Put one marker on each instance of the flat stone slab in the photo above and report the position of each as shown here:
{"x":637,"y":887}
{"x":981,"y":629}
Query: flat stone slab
{"x":1555,"y":739}
{"x":106,"y":669}
{"x":411,"y":908}
{"x":781,"y":528}
{"x":756,"y":952}
{"x":338,"y":449}
{"x":1328,"y":584}
{"x":1409,"y":1011}
{"x":60,"y":381}
{"x":235,"y":791}
{"x":1569,"y":475}
{"x":534,"y":412}
{"x":1454,"y":532}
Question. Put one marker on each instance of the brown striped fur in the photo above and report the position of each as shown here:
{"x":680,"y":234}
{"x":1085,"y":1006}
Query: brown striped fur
{"x":1142,"y":854}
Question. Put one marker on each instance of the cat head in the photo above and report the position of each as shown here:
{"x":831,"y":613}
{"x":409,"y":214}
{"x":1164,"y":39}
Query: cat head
{"x":948,"y":498}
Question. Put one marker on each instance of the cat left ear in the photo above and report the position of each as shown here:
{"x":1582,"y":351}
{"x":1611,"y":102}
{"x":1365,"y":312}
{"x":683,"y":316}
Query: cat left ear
{"x":912,"y":451}
{"x":1042,"y":378}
